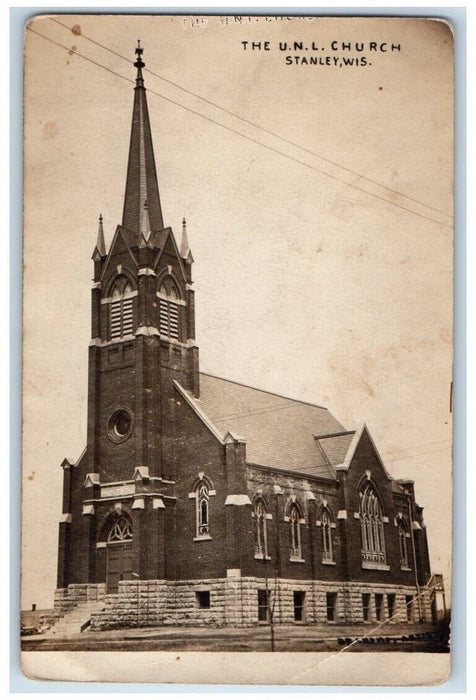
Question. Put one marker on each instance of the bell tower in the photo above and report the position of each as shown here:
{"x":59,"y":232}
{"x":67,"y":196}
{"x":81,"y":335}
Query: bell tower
{"x":143,"y":327}
{"x":119,"y":497}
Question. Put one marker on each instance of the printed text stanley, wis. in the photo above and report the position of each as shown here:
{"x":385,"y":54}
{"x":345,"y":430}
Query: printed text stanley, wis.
{"x":338,"y":53}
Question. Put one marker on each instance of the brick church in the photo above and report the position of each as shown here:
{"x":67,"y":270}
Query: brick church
{"x":198,"y":500}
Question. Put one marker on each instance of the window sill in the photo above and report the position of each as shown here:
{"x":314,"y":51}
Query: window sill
{"x":297,"y":559}
{"x":201,"y":538}
{"x":376,"y":565}
{"x":262,"y":557}
{"x":405,"y":568}
{"x":172,"y":340}
{"x":328,"y":562}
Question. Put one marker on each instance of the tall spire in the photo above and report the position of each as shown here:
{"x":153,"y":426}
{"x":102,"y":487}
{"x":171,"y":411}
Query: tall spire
{"x":141,"y":182}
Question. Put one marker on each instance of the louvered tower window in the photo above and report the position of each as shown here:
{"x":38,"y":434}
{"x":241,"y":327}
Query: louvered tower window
{"x":121,"y":311}
{"x":169,"y":318}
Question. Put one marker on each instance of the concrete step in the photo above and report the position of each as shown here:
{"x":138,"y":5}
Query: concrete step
{"x":76,"y":620}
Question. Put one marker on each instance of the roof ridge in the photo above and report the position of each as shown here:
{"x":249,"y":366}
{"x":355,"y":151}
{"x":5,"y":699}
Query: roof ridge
{"x":265,"y":391}
{"x":339,"y":434}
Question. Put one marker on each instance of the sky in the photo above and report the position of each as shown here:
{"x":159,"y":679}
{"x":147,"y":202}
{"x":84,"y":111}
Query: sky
{"x":305,"y":285}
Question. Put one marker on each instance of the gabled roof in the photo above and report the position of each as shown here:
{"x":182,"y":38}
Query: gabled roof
{"x":356,"y":438}
{"x":335,"y":447}
{"x":159,"y":239}
{"x":129,"y":239}
{"x":279,"y":431}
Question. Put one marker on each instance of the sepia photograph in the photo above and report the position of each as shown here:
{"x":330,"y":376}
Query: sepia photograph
{"x":237,"y":349}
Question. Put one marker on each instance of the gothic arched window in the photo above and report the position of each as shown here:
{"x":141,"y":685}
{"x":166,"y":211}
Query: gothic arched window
{"x":260,"y":533}
{"x":120,"y":530}
{"x":371,"y":523}
{"x":169,"y":312}
{"x":295,"y":525}
{"x":403,"y":536}
{"x":121,"y":312}
{"x":202,"y":491}
{"x":202,"y":509}
{"x":327,"y":549}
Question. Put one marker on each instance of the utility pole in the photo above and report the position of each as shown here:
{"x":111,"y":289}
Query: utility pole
{"x":410,"y":511}
{"x":136,"y":578}
{"x":270,"y":605}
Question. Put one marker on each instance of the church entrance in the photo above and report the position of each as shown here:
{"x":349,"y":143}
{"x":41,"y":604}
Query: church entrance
{"x":119,"y":553}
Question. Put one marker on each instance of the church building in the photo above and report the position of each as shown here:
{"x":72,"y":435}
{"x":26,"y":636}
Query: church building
{"x":202,"y":501}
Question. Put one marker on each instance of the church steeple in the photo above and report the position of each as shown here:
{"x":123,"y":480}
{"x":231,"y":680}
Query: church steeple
{"x":141,"y":183}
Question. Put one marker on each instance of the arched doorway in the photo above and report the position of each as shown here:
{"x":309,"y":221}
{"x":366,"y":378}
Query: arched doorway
{"x":119,"y":551}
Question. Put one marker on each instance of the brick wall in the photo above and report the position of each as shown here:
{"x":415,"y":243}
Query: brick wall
{"x":193,"y":450}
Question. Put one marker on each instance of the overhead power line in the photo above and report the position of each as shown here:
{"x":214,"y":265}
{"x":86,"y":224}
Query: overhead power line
{"x":254,"y":124}
{"x":238,"y":133}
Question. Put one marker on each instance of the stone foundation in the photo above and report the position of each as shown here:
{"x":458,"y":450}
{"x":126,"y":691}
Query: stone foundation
{"x":233,"y":601}
{"x":76,"y":593}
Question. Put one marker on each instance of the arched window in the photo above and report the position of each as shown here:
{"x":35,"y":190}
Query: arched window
{"x":371,"y":523}
{"x":327,"y":549}
{"x":202,"y":491}
{"x":169,"y":313}
{"x":403,"y":536}
{"x":120,"y":530}
{"x":202,"y":509}
{"x":295,"y":524}
{"x":261,"y":533}
{"x":121,"y":313}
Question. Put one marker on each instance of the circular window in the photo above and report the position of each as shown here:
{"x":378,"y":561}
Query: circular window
{"x":120,"y":425}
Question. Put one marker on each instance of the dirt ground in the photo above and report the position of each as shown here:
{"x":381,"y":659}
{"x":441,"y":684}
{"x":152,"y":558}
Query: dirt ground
{"x":421,"y":638}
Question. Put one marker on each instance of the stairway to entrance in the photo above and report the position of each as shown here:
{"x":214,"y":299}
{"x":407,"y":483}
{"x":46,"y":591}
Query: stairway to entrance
{"x":76,"y":620}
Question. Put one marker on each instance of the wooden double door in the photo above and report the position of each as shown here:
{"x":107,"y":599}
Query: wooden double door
{"x":119,"y":564}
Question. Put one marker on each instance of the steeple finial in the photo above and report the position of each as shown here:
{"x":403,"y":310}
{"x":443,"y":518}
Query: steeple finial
{"x":184,"y":248}
{"x":100,"y":243}
{"x":139,"y":64}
